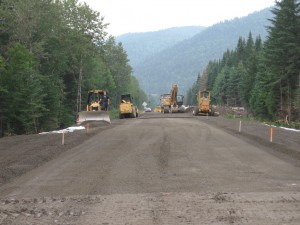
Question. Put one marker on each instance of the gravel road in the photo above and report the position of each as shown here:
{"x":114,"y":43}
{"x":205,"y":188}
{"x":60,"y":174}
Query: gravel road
{"x":156,"y":169}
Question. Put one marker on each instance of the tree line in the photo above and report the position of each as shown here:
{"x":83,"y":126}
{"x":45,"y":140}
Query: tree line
{"x":262,"y":77}
{"x":51,"y":53}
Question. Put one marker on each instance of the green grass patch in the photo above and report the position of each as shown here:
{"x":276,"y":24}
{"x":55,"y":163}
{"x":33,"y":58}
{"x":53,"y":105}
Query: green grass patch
{"x":239,"y":117}
{"x":113,"y":113}
{"x":278,"y":123}
{"x":293,"y":125}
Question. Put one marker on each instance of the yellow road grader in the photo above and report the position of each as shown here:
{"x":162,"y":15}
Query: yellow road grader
{"x":204,"y":106}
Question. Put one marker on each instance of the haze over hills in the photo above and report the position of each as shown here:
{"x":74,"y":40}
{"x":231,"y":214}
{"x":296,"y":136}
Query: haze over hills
{"x":140,"y":46}
{"x":182,"y":60}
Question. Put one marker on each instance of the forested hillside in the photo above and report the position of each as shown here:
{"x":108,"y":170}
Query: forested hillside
{"x":262,"y":77}
{"x":183,"y":62}
{"x":51,"y":54}
{"x":140,"y":46}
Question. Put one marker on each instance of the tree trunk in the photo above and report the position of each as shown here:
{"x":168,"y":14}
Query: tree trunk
{"x":79,"y":85}
{"x":289,"y":102}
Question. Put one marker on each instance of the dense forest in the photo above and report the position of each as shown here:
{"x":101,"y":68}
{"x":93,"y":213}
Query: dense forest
{"x":51,"y":53}
{"x":264,"y":78}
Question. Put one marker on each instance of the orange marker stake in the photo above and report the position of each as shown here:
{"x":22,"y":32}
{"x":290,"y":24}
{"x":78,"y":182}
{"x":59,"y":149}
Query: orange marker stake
{"x":271,"y":134}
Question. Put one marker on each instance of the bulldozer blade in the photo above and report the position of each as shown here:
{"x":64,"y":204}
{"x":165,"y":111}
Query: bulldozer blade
{"x":93,"y":116}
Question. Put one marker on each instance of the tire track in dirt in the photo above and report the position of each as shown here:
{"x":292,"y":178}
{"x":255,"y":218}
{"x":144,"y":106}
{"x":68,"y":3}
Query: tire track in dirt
{"x":156,"y":208}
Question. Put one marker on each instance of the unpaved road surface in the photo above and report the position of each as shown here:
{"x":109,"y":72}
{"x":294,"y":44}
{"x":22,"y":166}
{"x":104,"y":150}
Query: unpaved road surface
{"x":156,"y":169}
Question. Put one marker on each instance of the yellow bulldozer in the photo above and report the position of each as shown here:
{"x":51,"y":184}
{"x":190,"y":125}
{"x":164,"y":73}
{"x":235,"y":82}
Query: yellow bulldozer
{"x":204,"y":106}
{"x":96,"y":107}
{"x":127,"y":109}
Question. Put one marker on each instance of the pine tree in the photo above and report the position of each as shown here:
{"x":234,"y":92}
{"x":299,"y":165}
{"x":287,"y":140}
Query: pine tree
{"x":25,"y":96}
{"x":264,"y":94}
{"x":282,"y":52}
{"x":241,"y":50}
{"x":118,"y":64}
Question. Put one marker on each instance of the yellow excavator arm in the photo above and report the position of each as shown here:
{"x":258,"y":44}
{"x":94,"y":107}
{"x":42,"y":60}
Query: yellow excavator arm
{"x":174,"y":91}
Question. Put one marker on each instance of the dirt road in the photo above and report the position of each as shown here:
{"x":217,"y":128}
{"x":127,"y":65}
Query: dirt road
{"x":158,"y":170}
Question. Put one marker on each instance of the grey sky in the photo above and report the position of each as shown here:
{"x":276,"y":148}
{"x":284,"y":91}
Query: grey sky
{"x":125,"y":16}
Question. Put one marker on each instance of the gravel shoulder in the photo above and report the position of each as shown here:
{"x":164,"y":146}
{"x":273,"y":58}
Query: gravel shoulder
{"x":22,"y":153}
{"x":285,"y":143}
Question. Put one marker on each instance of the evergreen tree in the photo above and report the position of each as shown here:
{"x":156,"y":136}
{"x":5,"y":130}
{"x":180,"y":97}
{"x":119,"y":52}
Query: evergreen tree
{"x":50,"y":52}
{"x":138,"y":94}
{"x":220,"y":88}
{"x":249,"y":46}
{"x":118,"y":64}
{"x":264,"y":93}
{"x":248,"y":70}
{"x":24,"y":99}
{"x":246,"y":82}
{"x":282,"y":53}
{"x":241,"y":50}
{"x":3,"y":93}
{"x":258,"y":44}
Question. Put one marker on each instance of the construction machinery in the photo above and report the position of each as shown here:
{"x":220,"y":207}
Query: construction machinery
{"x":127,"y":109}
{"x":96,"y":107}
{"x":176,"y":100}
{"x":204,"y":106}
{"x":165,"y":103}
{"x":157,"y":109}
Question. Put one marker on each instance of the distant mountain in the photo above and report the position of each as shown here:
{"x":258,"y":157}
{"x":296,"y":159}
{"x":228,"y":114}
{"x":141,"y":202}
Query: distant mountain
{"x":139,"y":46}
{"x":182,"y":62}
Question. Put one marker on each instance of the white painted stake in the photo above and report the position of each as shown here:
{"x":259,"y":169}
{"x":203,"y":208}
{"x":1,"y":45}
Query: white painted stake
{"x":63,"y":138}
{"x":240,"y":126}
{"x":87,"y":127}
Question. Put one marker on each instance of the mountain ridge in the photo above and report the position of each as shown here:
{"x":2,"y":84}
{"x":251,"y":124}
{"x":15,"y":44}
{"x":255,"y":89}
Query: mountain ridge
{"x":181,"y":62}
{"x":154,"y":41}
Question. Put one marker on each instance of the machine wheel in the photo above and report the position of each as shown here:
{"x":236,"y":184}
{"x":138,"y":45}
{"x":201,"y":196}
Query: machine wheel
{"x":167,"y":110}
{"x":121,"y":116}
{"x":196,"y":111}
{"x":133,"y":114}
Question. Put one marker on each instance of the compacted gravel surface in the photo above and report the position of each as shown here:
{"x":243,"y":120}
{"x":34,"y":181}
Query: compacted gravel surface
{"x":155,"y":169}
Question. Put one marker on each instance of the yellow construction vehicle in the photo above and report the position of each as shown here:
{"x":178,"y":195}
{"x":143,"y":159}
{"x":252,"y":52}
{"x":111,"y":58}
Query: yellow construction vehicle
{"x":165,"y":103}
{"x":157,"y":109}
{"x":176,"y":100}
{"x":204,"y":106}
{"x":126,"y":108}
{"x":174,"y":105}
{"x":96,"y":107}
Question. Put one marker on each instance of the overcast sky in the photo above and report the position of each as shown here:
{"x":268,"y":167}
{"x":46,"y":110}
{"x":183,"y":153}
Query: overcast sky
{"x":125,"y":16}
